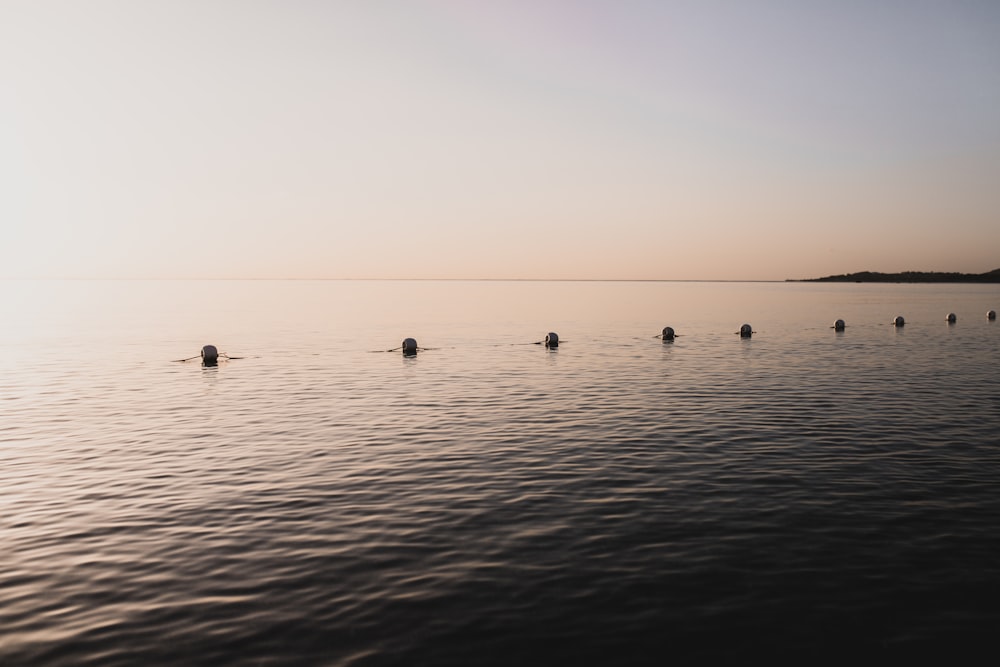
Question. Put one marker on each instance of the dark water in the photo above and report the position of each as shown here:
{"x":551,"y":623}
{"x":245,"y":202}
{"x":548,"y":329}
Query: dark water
{"x":805,"y":493}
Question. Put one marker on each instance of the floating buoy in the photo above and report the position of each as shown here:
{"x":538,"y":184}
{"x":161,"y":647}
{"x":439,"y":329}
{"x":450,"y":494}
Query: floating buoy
{"x":951,"y":318}
{"x":898,"y":321}
{"x":746,"y":331}
{"x":668,"y":333}
{"x":409,"y":347}
{"x":991,"y":315}
{"x":839,"y":325}
{"x":551,"y":339}
{"x":209,"y":355}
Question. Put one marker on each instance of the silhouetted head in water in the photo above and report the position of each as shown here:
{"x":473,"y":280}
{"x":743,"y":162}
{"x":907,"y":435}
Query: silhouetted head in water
{"x":551,"y":339}
{"x":668,"y":333}
{"x":746,"y":331}
{"x":839,"y":325}
{"x":898,"y":321}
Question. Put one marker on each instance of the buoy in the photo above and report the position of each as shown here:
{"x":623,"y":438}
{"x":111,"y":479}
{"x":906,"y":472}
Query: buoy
{"x":551,"y":339}
{"x":409,"y":347}
{"x":992,"y":315}
{"x":839,"y":325}
{"x":209,"y":355}
{"x":746,"y":331}
{"x":668,"y":333}
{"x":951,"y":318}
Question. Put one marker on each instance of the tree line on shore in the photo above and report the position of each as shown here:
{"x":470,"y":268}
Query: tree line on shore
{"x":909,"y":277}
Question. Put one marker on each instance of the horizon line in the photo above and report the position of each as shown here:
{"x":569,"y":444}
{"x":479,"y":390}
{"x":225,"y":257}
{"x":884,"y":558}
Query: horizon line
{"x":537,"y":280}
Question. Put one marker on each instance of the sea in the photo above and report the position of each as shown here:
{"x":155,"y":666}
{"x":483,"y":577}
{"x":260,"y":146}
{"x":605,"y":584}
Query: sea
{"x":318,"y":498}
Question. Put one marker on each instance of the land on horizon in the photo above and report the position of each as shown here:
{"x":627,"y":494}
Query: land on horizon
{"x":907,"y":277}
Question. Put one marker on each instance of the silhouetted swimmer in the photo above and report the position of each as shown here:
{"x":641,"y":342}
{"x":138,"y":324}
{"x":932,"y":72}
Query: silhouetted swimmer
{"x":898,"y":321}
{"x":951,"y":318}
{"x":551,"y":339}
{"x":668,"y":334}
{"x":746,"y":331}
{"x":839,"y":325}
{"x":991,"y":315}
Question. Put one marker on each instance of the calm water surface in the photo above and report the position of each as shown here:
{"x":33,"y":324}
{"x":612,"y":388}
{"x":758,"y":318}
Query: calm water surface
{"x":804,"y":493}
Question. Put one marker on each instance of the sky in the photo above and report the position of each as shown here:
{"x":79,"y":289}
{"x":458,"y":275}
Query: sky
{"x":522,"y":139}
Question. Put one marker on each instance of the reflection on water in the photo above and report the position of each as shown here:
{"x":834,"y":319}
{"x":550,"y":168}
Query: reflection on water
{"x":804,"y":492}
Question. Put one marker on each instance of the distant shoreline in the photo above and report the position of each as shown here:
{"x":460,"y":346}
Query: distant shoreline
{"x":906,"y":277}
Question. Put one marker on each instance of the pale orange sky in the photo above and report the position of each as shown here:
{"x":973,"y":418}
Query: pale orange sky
{"x":674,"y":140}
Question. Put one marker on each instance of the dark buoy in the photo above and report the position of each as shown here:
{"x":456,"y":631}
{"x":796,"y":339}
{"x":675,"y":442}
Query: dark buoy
{"x":209,"y":355}
{"x":951,"y":318}
{"x":409,"y":347}
{"x":991,"y":315}
{"x":668,"y":333}
{"x":551,"y":339}
{"x":746,"y":331}
{"x":898,"y":321}
{"x":839,"y":325}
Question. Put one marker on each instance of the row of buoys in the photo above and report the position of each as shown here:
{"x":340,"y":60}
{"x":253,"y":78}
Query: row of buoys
{"x":950,"y":318}
{"x":410,"y":347}
{"x":210,"y":354}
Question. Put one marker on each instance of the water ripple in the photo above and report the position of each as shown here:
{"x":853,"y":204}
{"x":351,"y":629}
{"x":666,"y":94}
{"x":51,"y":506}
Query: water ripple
{"x":801,"y":494}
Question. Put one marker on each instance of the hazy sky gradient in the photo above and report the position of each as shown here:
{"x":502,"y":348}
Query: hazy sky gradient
{"x":514,"y":139}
